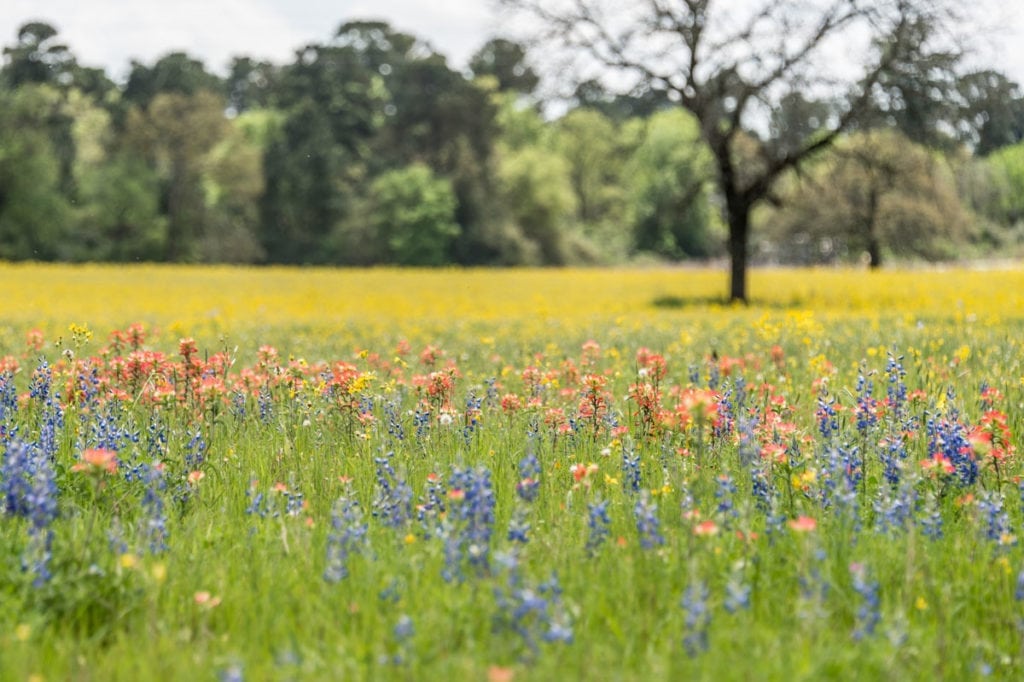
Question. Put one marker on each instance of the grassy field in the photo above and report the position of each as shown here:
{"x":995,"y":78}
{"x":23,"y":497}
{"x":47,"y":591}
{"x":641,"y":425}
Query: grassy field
{"x":273,"y":474}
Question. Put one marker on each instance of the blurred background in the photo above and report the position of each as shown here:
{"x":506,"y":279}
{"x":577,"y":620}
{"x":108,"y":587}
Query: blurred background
{"x":397,"y":133}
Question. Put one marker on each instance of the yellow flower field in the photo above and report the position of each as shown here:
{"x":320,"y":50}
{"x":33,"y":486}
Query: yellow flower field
{"x":353,"y":307}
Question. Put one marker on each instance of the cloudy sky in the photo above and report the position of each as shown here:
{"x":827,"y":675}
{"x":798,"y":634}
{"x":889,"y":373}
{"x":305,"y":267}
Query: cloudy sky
{"x":110,"y":33}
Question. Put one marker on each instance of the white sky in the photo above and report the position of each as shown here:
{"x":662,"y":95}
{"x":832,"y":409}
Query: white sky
{"x":110,"y":33}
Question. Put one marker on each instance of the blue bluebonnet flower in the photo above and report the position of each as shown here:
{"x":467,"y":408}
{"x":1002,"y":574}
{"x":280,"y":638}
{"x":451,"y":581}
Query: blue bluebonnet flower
{"x":534,"y":612}
{"x":473,"y":405}
{"x":519,"y":526}
{"x":402,"y":633}
{"x":50,"y":425}
{"x":828,"y":419}
{"x":154,"y":516}
{"x":233,"y":673}
{"x":195,"y":451}
{"x":866,"y":412}
{"x":348,"y":536}
{"x":491,"y":395}
{"x":265,"y":404}
{"x":108,"y":427}
{"x":115,"y":537}
{"x":29,"y":488}
{"x":294,"y":502}
{"x":894,"y":509}
{"x":470,"y":521}
{"x":737,"y":589}
{"x":630,"y":469}
{"x":749,"y":450}
{"x":949,"y":438}
{"x":698,"y":619}
{"x":527,"y":490}
{"x":714,"y":375}
{"x":39,"y":387}
{"x":431,"y":506}
{"x":724,"y":491}
{"x":840,"y":474}
{"x":761,"y":489}
{"x":597,"y":523}
{"x":930,"y":517}
{"x":391,"y":594}
{"x":730,"y":409}
{"x":647,"y":523}
{"x":259,"y":504}
{"x":16,"y":474}
{"x":868,"y":613}
{"x":994,"y":518}
{"x":392,"y":412}
{"x":156,"y":436}
{"x":404,"y":628}
{"x":238,"y":401}
{"x":8,"y":402}
{"x":897,"y":392}
{"x":421,"y":420}
{"x":393,"y":502}
{"x":529,"y":477}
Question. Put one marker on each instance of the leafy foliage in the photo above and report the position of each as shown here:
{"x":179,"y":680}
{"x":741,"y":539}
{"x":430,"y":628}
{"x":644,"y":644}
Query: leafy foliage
{"x":288,"y":163}
{"x":414,"y":214}
{"x":876,"y":193}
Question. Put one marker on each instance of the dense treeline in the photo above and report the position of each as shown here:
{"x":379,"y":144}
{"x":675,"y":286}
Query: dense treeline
{"x":370,"y":148}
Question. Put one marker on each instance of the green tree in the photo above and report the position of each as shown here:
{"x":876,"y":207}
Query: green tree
{"x":505,"y":60}
{"x":249,"y":84}
{"x":116,"y":212}
{"x":916,"y":92}
{"x":876,"y":193}
{"x":176,"y":73}
{"x":120,"y":217}
{"x":518,"y":123}
{"x":316,"y":161}
{"x":437,"y":117}
{"x":1004,"y":185}
{"x":536,"y":187}
{"x":37,"y":57}
{"x":593,"y":147}
{"x":992,"y":113}
{"x":414,"y":215}
{"x":334,"y":80}
{"x":730,"y":65}
{"x":175,"y":133}
{"x":670,"y":179}
{"x":308,"y":188}
{"x":430,"y":114}
{"x":640,"y":102}
{"x":34,"y":213}
{"x":234,"y":182}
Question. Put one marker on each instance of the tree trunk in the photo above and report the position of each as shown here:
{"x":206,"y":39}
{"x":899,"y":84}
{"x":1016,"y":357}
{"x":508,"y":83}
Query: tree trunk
{"x":739,"y":233}
{"x":874,"y":247}
{"x":874,"y":253}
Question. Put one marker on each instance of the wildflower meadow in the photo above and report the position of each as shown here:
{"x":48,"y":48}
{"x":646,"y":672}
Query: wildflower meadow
{"x":233,"y":474}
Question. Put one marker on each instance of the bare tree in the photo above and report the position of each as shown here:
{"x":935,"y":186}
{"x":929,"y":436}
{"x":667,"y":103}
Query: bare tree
{"x":731,"y":63}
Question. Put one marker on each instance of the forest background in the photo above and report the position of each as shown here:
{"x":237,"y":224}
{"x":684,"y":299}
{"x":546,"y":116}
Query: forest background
{"x":369,"y":148}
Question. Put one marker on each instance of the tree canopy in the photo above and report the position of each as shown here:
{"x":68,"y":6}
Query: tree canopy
{"x":681,"y":130}
{"x":732,"y":66}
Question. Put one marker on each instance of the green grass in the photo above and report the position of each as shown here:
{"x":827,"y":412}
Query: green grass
{"x":947,"y":607}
